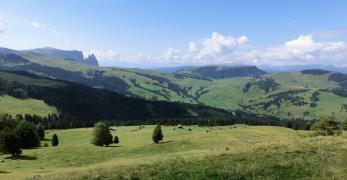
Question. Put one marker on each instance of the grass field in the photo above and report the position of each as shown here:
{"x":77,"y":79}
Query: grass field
{"x":16,"y":106}
{"x":230,"y":152}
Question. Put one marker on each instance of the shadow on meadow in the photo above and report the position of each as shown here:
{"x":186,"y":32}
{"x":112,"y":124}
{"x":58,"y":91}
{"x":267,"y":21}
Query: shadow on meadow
{"x":22,"y":157}
{"x":164,"y":142}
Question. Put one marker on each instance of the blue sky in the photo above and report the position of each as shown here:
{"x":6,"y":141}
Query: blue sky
{"x":181,"y":32}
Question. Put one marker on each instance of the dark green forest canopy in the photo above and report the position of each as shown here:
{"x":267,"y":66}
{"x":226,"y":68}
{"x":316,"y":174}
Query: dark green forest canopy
{"x":80,"y":105}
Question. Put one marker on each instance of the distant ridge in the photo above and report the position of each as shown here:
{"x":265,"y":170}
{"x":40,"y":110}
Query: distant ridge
{"x":224,"y":71}
{"x":67,"y":55}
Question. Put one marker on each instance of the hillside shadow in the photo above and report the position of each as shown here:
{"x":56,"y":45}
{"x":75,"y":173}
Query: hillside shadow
{"x":46,"y":139}
{"x":23,"y":157}
{"x":163,"y":142}
{"x":4,"y":172}
{"x":114,"y":146}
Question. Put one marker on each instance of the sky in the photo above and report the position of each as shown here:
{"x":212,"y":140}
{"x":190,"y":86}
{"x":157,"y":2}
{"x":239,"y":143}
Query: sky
{"x":164,"y":33}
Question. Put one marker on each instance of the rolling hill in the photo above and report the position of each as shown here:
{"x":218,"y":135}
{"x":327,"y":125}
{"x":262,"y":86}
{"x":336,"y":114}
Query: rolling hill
{"x":64,"y":104}
{"x":292,"y":95}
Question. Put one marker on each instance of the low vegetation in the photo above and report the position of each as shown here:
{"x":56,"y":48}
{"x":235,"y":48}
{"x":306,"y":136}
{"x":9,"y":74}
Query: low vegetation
{"x":238,"y":151}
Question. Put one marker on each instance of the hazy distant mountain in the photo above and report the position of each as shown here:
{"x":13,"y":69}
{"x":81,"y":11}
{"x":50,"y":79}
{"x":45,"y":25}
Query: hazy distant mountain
{"x":296,"y":68}
{"x":67,"y":55}
{"x":220,"y":72}
{"x":172,"y":69}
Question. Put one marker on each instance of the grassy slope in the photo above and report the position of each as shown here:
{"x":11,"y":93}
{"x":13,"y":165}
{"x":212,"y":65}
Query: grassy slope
{"x":228,"y":93}
{"x":241,"y":152}
{"x":223,"y":93}
{"x":13,"y":106}
{"x":16,"y":106}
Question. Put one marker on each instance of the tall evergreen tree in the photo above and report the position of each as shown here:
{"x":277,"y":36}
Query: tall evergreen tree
{"x":157,"y":134}
{"x":110,"y":139}
{"x":40,"y":131}
{"x":101,"y":135}
{"x":9,"y":143}
{"x":55,"y":140}
{"x":344,"y":125}
{"x":116,"y":140}
{"x":27,"y":135}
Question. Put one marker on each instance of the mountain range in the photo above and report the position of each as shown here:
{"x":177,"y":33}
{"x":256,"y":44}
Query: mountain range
{"x":304,"y":94}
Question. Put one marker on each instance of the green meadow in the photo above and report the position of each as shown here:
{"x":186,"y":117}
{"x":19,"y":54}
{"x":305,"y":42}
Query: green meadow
{"x":228,"y":152}
{"x":14,"y":106}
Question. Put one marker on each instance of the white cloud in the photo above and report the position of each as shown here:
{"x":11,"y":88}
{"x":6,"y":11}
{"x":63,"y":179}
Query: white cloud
{"x":37,"y":25}
{"x":2,"y":28}
{"x":219,"y":49}
{"x":222,"y":49}
{"x":218,"y":44}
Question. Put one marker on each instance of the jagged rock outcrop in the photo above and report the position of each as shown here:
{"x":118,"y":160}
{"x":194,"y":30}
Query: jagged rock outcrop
{"x":72,"y":55}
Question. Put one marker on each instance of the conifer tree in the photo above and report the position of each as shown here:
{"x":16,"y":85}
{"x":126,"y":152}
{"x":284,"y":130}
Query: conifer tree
{"x":55,"y":140}
{"x":157,"y":134}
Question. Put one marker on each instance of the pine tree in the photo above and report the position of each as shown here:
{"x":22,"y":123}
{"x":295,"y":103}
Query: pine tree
{"x":27,"y":135}
{"x":110,"y":139}
{"x":116,"y":140}
{"x":157,"y":134}
{"x":55,"y":140}
{"x":344,"y":125}
{"x":102,"y":135}
{"x":40,"y":131}
{"x":9,"y":143}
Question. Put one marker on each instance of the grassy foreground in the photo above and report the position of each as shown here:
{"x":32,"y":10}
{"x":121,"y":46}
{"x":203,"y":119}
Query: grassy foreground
{"x":230,"y":152}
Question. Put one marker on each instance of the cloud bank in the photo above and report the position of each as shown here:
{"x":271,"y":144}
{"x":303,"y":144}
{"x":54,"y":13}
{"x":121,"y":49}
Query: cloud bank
{"x":222,"y":49}
{"x":219,"y":49}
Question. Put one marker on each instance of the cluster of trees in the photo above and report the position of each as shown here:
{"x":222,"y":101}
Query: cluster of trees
{"x":102,"y":135}
{"x":17,"y":134}
{"x":328,"y":125}
{"x":265,"y":84}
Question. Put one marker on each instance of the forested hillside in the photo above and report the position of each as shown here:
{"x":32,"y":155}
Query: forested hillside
{"x":79,"y":105}
{"x":304,"y":95}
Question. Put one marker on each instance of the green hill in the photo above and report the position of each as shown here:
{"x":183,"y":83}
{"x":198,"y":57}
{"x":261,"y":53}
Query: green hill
{"x":229,"y":152}
{"x":68,"y":104}
{"x":304,"y":95}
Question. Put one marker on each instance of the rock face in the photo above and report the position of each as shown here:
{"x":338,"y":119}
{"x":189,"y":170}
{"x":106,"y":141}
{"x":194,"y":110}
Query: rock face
{"x":72,"y":55}
{"x":91,"y":60}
